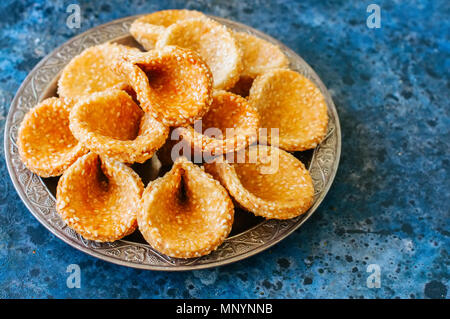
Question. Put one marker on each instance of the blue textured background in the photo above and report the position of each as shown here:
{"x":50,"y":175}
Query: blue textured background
{"x":389,"y":204}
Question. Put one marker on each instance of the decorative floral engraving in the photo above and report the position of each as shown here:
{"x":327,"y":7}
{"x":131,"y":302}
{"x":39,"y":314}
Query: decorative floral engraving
{"x":41,"y":202}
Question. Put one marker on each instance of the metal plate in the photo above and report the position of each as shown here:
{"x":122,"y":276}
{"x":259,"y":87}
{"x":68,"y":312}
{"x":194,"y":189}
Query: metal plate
{"x":250,"y":235}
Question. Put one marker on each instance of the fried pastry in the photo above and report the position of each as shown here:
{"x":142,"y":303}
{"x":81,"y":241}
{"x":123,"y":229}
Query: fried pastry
{"x":215,"y":44}
{"x":99,"y":198}
{"x":46,"y":144}
{"x":172,"y":84}
{"x":230,"y":125}
{"x":90,"y":71}
{"x":290,"y":102}
{"x":258,"y":55}
{"x":185,"y":213}
{"x":148,"y":28}
{"x":270,"y":182}
{"x":111,"y":124}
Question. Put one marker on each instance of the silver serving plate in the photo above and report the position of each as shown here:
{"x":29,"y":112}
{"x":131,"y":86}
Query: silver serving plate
{"x":250,"y":234}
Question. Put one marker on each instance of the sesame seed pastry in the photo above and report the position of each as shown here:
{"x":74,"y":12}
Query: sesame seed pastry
{"x":146,"y":29}
{"x":172,"y":84}
{"x":232,"y":122}
{"x":90,"y":71}
{"x":215,"y":44}
{"x":290,"y":102}
{"x":111,"y":124}
{"x":258,"y":55}
{"x":185,"y":213}
{"x":46,"y":144}
{"x":99,"y":198}
{"x":270,"y":183}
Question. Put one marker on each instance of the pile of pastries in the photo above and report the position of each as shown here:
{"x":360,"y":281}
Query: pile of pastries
{"x":197,"y":97}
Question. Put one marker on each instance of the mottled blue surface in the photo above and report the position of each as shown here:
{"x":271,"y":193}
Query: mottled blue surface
{"x":389,"y":204}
